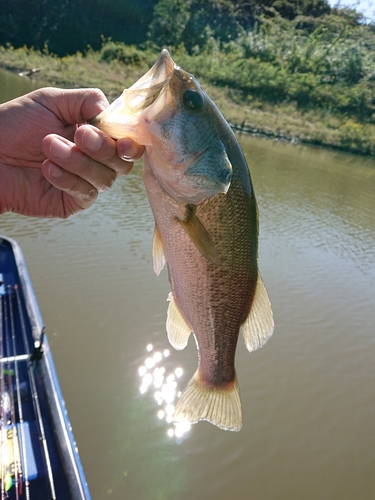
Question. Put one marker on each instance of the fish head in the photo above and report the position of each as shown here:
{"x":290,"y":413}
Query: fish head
{"x":169,"y":113}
{"x":125,"y":116}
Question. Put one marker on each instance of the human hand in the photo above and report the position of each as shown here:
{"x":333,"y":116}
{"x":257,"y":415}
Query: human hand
{"x":49,"y":165}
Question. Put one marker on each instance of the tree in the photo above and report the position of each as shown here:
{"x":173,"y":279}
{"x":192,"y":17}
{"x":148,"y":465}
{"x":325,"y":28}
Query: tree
{"x":169,"y":22}
{"x":68,"y":26}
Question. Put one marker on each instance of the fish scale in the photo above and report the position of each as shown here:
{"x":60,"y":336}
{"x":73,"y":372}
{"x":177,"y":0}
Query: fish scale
{"x":206,"y":230}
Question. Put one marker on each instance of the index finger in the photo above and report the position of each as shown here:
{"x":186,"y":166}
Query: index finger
{"x":103,"y":149}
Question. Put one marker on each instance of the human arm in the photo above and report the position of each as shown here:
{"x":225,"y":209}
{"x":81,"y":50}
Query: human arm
{"x":49,"y":165}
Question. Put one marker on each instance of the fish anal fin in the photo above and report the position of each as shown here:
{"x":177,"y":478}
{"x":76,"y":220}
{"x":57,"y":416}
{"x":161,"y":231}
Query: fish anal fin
{"x":157,"y":251}
{"x":258,"y":326}
{"x":178,"y":330}
{"x":219,"y":406}
{"x":200,"y":237}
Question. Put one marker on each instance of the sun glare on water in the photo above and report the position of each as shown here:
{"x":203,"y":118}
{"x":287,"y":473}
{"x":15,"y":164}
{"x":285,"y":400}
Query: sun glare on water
{"x":164,"y":386}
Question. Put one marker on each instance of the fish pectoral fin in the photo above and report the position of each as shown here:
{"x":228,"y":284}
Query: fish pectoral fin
{"x":200,"y":237}
{"x":220,"y":406}
{"x":258,"y":326}
{"x":157,"y":251}
{"x":178,"y":330}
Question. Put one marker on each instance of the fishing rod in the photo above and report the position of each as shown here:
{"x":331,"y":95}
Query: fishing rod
{"x":35,"y":397}
{"x":2,"y":397}
{"x":12,"y":471}
{"x":12,"y":474}
{"x":24,"y":472}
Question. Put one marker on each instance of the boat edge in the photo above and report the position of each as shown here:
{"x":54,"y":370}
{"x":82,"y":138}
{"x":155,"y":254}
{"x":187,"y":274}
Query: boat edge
{"x":70,"y":457}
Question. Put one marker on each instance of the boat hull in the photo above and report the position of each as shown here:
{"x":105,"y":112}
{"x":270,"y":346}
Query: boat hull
{"x":38,"y":454}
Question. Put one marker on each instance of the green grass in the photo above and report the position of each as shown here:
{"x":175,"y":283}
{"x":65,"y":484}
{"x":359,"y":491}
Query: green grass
{"x":117,"y":66}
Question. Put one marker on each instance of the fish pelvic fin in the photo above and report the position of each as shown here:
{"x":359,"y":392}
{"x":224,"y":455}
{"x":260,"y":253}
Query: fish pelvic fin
{"x":220,"y":406}
{"x":199,"y":236}
{"x":258,"y":326}
{"x":178,"y":330}
{"x":157,"y":251}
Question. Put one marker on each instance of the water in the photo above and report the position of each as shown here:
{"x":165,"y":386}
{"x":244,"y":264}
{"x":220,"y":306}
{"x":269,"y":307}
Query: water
{"x":308,"y":395}
{"x":11,"y":85}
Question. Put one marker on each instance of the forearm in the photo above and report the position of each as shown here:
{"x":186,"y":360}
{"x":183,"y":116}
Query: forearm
{"x":11,"y":143}
{"x":5,"y":190}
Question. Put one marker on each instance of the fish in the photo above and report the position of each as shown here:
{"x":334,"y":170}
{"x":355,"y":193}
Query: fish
{"x":206,"y":231}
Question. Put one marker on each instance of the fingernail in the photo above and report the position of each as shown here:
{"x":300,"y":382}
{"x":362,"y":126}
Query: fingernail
{"x":92,"y":140}
{"x":55,"y":171}
{"x":60,"y":149}
{"x":130,"y":152}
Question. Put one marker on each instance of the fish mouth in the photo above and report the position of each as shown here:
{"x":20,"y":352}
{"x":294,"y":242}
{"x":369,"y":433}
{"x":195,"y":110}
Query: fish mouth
{"x":120,"y":118}
{"x":147,"y":89}
{"x":158,"y":75}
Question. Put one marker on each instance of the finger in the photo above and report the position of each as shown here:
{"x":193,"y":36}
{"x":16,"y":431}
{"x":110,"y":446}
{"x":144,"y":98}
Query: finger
{"x":102,"y":148}
{"x":82,"y":193}
{"x":73,"y":105}
{"x":127,"y":149}
{"x":67,"y":156}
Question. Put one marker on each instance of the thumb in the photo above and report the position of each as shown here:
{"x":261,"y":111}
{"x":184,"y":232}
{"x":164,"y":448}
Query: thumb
{"x":72,"y":106}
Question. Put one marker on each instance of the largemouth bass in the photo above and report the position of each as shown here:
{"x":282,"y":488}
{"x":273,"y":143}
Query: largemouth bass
{"x":206,"y":230}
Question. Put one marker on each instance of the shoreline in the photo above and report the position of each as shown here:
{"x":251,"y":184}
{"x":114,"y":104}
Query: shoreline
{"x":279,"y":122}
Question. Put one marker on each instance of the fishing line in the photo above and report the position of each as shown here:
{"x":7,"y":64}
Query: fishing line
{"x":35,"y":399}
{"x":19,"y":402}
{"x":7,"y":308}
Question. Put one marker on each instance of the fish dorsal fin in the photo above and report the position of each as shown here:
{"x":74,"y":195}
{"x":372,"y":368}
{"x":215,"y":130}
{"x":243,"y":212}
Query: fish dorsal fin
{"x":157,"y":251}
{"x":177,"y":329}
{"x":258,"y":326}
{"x":199,"y":236}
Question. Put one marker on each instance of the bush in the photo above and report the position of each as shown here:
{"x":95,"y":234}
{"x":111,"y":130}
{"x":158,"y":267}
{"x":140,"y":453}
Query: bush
{"x":118,"y":51}
{"x":357,"y":138}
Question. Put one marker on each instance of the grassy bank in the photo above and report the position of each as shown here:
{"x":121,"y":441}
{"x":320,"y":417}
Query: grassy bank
{"x":236,"y":83}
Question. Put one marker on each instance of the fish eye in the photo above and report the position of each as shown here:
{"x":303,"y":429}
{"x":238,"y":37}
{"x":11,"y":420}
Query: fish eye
{"x":192,"y":100}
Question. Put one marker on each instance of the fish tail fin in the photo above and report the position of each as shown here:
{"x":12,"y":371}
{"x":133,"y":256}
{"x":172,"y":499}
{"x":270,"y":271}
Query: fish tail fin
{"x":219,"y":405}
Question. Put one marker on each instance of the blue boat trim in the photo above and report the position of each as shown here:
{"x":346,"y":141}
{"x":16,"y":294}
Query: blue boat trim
{"x":46,"y":463}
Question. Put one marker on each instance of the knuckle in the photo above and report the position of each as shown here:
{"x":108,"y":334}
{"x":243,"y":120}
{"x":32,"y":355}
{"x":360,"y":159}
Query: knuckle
{"x":111,"y":177}
{"x":79,"y":191}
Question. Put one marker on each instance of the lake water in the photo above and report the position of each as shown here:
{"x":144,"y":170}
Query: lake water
{"x":308,"y":395}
